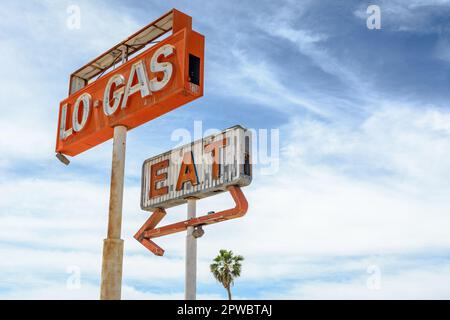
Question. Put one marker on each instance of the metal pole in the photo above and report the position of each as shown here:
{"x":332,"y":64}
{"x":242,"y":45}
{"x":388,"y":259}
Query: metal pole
{"x":111,"y":284}
{"x":191,"y":255}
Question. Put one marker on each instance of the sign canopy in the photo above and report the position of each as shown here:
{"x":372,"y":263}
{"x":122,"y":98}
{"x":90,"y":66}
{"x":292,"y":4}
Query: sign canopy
{"x":162,"y":77}
{"x":199,"y":169}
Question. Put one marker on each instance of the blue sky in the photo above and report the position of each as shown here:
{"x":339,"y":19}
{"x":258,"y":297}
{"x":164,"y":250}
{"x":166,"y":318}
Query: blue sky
{"x":361,"y":190}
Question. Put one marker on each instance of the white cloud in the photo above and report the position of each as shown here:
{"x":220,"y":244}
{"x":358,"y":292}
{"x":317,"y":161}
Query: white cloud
{"x":308,"y":44}
{"x":418,"y":283}
{"x":39,"y":47}
{"x":259,"y":83}
{"x":91,"y":292}
{"x":406,"y":142}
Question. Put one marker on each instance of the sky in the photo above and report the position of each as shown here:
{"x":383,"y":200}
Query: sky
{"x":350,"y":202}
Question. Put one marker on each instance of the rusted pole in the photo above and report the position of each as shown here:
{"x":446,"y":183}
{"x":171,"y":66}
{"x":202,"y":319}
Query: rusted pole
{"x":191,"y":255}
{"x":111,"y":283}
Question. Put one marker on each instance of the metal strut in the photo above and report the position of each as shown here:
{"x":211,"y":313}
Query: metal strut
{"x":149,"y":231}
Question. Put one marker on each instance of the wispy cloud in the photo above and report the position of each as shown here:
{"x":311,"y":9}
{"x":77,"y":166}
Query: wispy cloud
{"x":259,"y":83}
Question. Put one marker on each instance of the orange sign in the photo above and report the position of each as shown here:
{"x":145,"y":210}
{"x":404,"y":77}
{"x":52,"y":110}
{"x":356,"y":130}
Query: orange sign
{"x":199,"y":169}
{"x":163,"y":77}
{"x":150,"y":230}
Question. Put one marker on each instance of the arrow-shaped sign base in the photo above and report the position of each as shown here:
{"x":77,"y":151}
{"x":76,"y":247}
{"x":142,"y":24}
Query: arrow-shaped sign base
{"x":149,"y":230}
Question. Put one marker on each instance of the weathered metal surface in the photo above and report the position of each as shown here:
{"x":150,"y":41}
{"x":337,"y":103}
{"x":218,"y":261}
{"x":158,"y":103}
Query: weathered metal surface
{"x":190,"y":291}
{"x":117,"y":180}
{"x":161,"y":174}
{"x":152,"y":83}
{"x":111,"y":282}
{"x":150,"y":224}
{"x":149,"y":230}
{"x":113,"y":245}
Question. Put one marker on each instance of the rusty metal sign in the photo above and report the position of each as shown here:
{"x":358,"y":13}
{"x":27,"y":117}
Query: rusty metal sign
{"x":139,"y":79}
{"x":200,"y":169}
{"x":164,"y":76}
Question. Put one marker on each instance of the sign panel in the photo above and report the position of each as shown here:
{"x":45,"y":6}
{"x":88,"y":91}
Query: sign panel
{"x":158,"y":80}
{"x":200,"y":169}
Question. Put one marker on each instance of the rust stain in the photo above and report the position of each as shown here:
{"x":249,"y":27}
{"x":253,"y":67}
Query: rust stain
{"x":148,"y":230}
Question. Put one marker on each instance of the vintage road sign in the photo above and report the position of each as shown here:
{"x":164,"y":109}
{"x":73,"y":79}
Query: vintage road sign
{"x":199,"y":169}
{"x":161,"y":78}
{"x":150,"y":229}
{"x":217,"y":163}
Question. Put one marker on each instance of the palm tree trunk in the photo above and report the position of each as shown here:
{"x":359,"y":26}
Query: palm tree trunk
{"x":229,"y":293}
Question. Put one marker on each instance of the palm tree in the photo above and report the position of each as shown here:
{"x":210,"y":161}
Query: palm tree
{"x":225,"y":268}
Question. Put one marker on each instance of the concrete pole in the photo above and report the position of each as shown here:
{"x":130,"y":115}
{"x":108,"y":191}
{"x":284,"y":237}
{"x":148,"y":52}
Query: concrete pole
{"x":191,"y":255}
{"x":111,"y":284}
